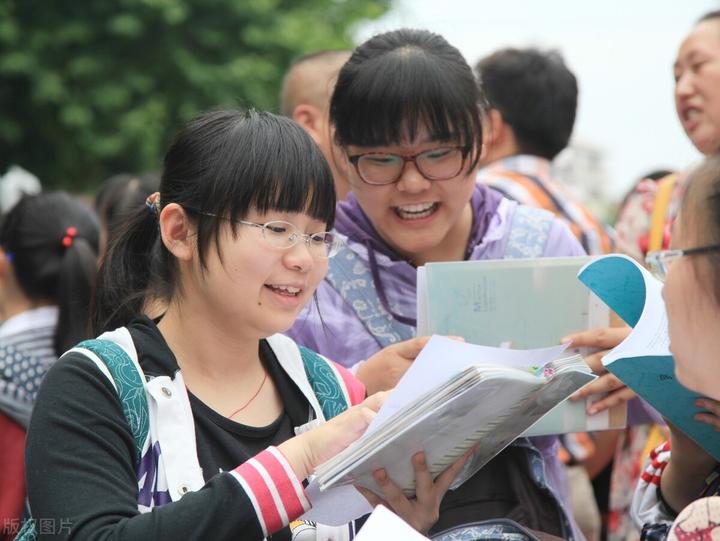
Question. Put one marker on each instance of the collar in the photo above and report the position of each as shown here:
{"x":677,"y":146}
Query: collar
{"x":45,"y":316}
{"x":524,"y":164}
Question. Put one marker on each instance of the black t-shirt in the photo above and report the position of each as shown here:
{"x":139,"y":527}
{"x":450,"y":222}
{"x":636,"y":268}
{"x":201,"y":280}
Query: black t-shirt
{"x":80,"y":454}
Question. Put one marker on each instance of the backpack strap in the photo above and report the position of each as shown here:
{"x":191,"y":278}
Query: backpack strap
{"x":130,"y":385}
{"x":658,"y":219}
{"x":351,"y":278}
{"x":529,"y":233}
{"x":326,"y":383}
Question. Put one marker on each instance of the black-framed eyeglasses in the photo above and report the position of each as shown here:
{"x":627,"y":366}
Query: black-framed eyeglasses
{"x":660,"y":260}
{"x":379,"y":168}
{"x":284,"y":235}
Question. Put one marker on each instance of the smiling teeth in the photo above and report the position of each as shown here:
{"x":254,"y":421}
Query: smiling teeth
{"x":416,"y":212}
{"x":288,"y":289}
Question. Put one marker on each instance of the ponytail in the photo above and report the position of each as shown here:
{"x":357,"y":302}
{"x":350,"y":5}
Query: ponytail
{"x":76,"y":277}
{"x":131,"y":264}
{"x":53,"y":240}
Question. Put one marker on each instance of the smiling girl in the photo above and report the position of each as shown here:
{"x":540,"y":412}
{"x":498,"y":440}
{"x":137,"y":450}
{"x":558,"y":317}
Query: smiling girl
{"x":407,"y":117}
{"x":234,"y":244}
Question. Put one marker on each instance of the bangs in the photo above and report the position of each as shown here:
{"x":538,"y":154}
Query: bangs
{"x":390,"y":98}
{"x":272,"y":165}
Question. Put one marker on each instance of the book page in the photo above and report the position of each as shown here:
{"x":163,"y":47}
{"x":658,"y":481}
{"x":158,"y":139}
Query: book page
{"x":442,"y":358}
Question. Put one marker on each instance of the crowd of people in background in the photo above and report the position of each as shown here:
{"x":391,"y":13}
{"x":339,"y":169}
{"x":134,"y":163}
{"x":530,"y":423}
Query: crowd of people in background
{"x":180,"y":354}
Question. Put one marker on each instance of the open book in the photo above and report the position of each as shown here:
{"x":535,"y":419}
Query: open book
{"x":643,"y":360}
{"x":517,"y":303}
{"x":475,"y":404}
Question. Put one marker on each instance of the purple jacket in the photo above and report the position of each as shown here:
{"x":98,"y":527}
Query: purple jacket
{"x":330,"y":327}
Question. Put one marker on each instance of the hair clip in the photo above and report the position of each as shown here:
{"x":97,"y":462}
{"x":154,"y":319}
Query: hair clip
{"x":152,"y":203}
{"x":70,"y":234}
{"x":8,"y":257}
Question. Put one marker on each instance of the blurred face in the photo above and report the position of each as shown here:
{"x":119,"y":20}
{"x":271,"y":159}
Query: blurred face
{"x":421,"y":219}
{"x":697,"y":87}
{"x":693,"y":315}
{"x":258,"y":286}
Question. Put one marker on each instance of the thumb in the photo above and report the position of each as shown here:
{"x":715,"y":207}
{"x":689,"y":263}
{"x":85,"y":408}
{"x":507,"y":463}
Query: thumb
{"x":409,"y":349}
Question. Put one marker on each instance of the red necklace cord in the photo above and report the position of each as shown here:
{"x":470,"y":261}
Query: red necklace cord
{"x":253,"y":397}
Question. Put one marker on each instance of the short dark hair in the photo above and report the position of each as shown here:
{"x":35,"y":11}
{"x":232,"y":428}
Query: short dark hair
{"x":710,"y":15}
{"x":220,"y":166}
{"x":536,"y":94}
{"x":53,"y":240}
{"x":398,"y":81}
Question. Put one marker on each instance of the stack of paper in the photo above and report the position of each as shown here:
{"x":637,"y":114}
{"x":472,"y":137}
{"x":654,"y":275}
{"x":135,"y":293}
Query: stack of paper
{"x":485,"y":406}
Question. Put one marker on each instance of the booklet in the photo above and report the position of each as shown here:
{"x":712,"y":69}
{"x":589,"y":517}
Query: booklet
{"x":643,"y":360}
{"x":517,"y":303}
{"x":456,"y":396}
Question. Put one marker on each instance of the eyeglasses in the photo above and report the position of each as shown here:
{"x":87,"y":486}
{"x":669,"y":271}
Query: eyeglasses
{"x":285,"y":235}
{"x":659,"y":261}
{"x":379,"y":168}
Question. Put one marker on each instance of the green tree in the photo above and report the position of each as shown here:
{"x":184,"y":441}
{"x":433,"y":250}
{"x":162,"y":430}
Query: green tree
{"x":90,"y":88}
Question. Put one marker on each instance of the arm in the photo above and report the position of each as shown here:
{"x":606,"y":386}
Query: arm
{"x":81,"y":471}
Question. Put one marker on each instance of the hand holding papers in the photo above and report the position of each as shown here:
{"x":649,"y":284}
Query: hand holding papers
{"x":456,"y":396}
{"x":643,"y":360}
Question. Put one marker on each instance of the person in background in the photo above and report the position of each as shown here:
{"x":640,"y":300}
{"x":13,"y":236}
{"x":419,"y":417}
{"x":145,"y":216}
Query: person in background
{"x":48,"y":259}
{"x":532,"y":97}
{"x":305,"y":97}
{"x":680,"y":471}
{"x":118,"y":197}
{"x":645,"y":221}
{"x":407,"y":112}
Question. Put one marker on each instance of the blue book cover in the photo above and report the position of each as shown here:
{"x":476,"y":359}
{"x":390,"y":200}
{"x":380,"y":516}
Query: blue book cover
{"x":643,"y":360}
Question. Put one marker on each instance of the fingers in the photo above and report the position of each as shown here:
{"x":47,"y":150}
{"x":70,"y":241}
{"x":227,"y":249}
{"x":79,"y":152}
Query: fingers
{"x":613,"y":399}
{"x":372,"y":498}
{"x":605,"y":338}
{"x":445,"y":479}
{"x":423,"y":479}
{"x":375,"y":401}
{"x":712,"y":414}
{"x":393,"y":495}
{"x":606,"y":383}
{"x":409,"y":349}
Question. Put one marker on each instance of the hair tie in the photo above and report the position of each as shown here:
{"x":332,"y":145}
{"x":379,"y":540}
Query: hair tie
{"x":70,"y":234}
{"x":152,"y":203}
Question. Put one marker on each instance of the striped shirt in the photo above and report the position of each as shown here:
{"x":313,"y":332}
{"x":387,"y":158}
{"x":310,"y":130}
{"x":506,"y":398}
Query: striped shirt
{"x":527,"y":180}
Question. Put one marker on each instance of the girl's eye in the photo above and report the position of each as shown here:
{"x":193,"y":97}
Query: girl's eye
{"x":277,"y":229}
{"x":438,"y":153}
{"x":381,"y":160}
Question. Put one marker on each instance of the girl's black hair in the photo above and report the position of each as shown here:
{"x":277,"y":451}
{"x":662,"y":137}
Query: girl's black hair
{"x":52,"y":241}
{"x":121,"y":195}
{"x":399,"y":81}
{"x":220,"y":166}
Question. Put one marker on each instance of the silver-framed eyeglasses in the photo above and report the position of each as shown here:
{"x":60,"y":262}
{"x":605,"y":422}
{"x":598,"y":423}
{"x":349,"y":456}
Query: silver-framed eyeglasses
{"x":660,"y":260}
{"x":285,"y":235}
{"x":379,"y":168}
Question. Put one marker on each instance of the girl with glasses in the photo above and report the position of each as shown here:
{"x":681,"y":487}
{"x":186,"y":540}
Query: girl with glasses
{"x":407,"y":111}
{"x":185,"y":427}
{"x":680,"y":471}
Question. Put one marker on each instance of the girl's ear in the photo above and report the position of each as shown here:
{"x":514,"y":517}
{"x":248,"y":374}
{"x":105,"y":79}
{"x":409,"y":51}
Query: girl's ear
{"x":177,"y":232}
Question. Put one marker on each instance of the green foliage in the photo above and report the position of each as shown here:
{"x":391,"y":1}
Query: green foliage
{"x":92,"y":88}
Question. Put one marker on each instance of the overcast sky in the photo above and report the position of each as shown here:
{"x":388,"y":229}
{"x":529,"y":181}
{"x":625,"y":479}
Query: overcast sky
{"x":621,"y":51}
